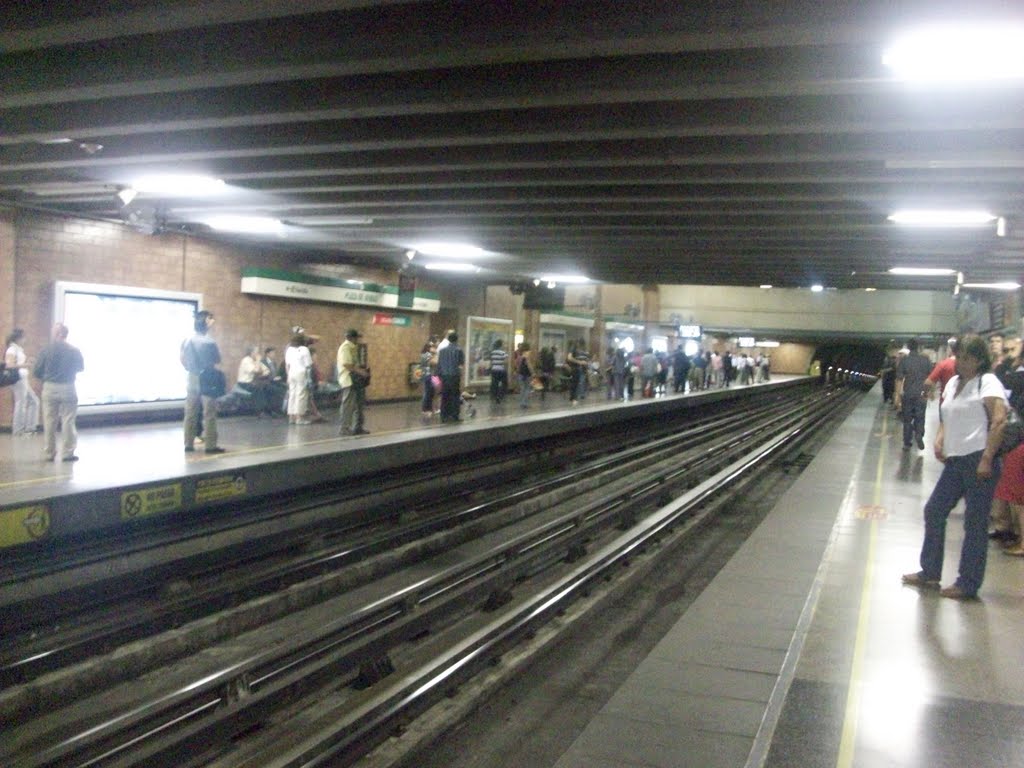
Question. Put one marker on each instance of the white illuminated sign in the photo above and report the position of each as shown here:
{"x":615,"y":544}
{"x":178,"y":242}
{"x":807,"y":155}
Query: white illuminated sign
{"x":689,"y":331}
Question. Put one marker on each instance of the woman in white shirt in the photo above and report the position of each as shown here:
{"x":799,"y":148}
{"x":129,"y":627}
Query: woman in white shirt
{"x":972,"y":414}
{"x":26,"y":401}
{"x":298,"y":362}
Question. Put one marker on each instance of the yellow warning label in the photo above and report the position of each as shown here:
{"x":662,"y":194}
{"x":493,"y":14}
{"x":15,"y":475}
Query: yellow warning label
{"x":221,"y":487}
{"x":872,"y":512}
{"x":21,"y":525}
{"x":144,"y":502}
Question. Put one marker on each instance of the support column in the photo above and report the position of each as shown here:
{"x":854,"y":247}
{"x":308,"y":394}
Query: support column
{"x":650,"y":311}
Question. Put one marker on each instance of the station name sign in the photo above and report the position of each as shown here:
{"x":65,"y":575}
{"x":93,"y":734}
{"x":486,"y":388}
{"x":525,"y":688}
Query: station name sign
{"x":295,"y":285}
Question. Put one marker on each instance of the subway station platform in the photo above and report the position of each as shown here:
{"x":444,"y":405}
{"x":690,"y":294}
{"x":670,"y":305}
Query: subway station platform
{"x":127,"y":473}
{"x":806,"y":651}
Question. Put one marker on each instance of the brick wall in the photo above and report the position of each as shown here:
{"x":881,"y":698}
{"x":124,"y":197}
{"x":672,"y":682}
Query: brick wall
{"x":37,"y":250}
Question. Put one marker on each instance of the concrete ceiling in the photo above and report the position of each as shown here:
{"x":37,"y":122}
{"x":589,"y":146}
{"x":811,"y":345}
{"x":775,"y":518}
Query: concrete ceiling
{"x":728,"y":143}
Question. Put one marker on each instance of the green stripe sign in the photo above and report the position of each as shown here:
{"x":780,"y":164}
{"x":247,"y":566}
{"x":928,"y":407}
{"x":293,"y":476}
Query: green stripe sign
{"x":296,"y":285}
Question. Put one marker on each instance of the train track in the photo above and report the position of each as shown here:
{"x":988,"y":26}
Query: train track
{"x":359,"y":643}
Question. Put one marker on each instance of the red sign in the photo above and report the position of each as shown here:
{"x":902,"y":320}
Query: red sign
{"x":402,"y":321}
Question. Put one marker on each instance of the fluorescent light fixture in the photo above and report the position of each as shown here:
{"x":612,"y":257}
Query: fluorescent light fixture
{"x":451,"y":266}
{"x":565,"y":279}
{"x":958,"y":53}
{"x":179,"y":185}
{"x":921,"y":271}
{"x":329,"y":221}
{"x":993,"y":286}
{"x":450,"y":250}
{"x":934,"y":218}
{"x":1001,"y":227}
{"x":61,"y":140}
{"x":252,"y":225}
{"x":126,"y":195}
{"x":870,"y":290}
{"x":817,"y":288}
{"x":766,"y":286}
{"x":766,"y":343}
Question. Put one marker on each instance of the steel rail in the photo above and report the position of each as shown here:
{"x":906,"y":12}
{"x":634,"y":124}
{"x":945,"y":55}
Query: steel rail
{"x":18,"y":666}
{"x":367,"y":625}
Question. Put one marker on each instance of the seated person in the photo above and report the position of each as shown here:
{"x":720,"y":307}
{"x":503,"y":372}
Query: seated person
{"x":254,"y":377}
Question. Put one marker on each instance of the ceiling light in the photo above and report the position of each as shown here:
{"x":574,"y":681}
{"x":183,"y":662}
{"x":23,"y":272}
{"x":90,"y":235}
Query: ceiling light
{"x":1001,"y":227}
{"x":329,"y":221}
{"x":766,"y":285}
{"x":921,"y":271}
{"x":451,"y":266}
{"x":958,"y":53}
{"x":766,"y":343}
{"x":952,"y":218}
{"x":576,"y":279}
{"x":870,"y":290}
{"x":410,"y":254}
{"x":253,"y":225}
{"x":450,"y":250}
{"x":179,"y":185}
{"x":993,"y":286}
{"x":126,"y":195}
{"x":817,"y":288}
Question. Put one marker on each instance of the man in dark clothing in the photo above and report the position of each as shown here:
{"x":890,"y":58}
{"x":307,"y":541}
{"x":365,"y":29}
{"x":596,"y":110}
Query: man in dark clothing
{"x":913,"y":370}
{"x":449,"y":369}
{"x":680,"y":369}
{"x":58,"y":365}
{"x":200,"y":353}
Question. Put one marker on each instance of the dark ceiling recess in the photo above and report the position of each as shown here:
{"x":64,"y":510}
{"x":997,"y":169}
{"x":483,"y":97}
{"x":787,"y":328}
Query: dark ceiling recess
{"x":733,"y":143}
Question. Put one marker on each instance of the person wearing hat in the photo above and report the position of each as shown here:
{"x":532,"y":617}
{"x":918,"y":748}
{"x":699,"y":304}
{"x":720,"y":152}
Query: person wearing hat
{"x":353,"y":378}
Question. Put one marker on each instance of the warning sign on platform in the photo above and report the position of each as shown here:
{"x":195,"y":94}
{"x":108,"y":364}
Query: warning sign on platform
{"x":221,"y":487}
{"x":144,"y":502}
{"x":21,"y":525}
{"x":872,"y":512}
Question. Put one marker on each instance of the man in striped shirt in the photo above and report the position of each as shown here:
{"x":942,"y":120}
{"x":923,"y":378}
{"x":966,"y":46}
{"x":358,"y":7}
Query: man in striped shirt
{"x":499,"y":371}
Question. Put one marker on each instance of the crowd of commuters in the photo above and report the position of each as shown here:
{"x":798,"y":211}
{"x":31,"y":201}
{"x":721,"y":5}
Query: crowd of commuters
{"x":291,"y":387}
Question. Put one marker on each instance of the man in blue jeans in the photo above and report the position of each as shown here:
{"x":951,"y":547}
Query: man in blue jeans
{"x":449,"y":369}
{"x":913,"y":370}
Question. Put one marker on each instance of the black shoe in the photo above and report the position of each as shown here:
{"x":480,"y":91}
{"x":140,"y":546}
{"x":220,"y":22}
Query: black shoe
{"x":920,"y":444}
{"x":216,"y":450}
{"x":1002,"y":535}
{"x":189,"y":449}
{"x":69,"y":458}
{"x":906,"y":446}
{"x":361,"y":432}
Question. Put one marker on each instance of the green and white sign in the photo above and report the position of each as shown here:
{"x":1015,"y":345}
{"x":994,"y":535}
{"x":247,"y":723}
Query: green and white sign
{"x":295,"y":285}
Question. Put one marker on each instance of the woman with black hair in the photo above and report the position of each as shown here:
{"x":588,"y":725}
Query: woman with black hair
{"x":972,"y":414}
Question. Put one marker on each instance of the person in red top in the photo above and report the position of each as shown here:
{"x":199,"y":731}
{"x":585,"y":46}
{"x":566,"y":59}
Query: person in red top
{"x":943,"y":371}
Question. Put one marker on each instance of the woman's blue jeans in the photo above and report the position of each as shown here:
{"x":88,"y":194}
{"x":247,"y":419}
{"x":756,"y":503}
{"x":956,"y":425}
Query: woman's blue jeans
{"x":959,"y":479}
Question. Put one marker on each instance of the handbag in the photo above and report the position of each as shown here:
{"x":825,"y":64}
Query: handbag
{"x":1013,"y":432}
{"x":212,"y":383}
{"x":359,"y":380}
{"x":8,"y":376}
